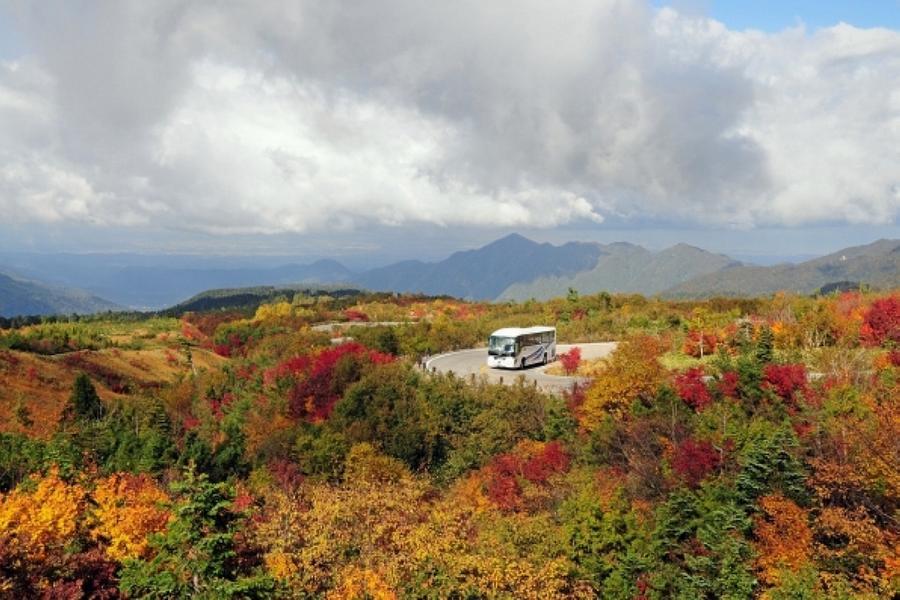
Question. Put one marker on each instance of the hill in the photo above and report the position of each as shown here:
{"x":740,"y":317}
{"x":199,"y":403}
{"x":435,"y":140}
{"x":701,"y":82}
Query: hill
{"x":626,"y":268}
{"x":484,"y":273}
{"x":22,"y":297}
{"x":157,"y":286}
{"x":876,"y":264}
{"x":250,"y":297}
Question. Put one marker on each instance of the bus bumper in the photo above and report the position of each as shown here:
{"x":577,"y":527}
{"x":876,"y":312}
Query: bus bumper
{"x":501,"y":362}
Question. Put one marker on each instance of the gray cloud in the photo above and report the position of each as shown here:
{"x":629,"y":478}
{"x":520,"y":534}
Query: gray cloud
{"x":319,"y":116}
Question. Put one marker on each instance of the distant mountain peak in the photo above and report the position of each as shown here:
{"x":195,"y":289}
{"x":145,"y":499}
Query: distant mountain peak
{"x":483,"y":273}
{"x":686,"y":246}
{"x":513,"y":240}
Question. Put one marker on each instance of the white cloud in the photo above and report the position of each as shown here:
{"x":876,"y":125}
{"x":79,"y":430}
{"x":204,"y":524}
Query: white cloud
{"x":317,"y":116}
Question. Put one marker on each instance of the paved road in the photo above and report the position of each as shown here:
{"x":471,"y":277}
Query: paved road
{"x":343,"y":325}
{"x":474,"y":362}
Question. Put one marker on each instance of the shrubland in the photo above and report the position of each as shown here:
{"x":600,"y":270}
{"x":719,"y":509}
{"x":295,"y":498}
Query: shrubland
{"x":729,"y":448}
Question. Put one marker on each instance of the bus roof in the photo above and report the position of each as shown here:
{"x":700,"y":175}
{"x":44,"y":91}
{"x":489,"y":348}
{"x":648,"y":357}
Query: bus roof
{"x":517,"y":331}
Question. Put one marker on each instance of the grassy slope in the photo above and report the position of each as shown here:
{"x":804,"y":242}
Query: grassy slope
{"x":41,"y":384}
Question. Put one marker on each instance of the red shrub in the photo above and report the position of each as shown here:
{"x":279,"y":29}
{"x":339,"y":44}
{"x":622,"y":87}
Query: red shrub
{"x":803,"y":429}
{"x":323,"y":382}
{"x":245,"y":372}
{"x":503,"y":487}
{"x":692,"y":389}
{"x":571,"y":360}
{"x":728,"y":384}
{"x":895,"y":358}
{"x":881,"y":323}
{"x":232,"y":346}
{"x":355,"y":315}
{"x":288,"y":368}
{"x":786,"y":380}
{"x":693,"y":460}
{"x":699,"y":344}
{"x":643,"y":587}
{"x":286,"y":474}
{"x":550,"y":460}
{"x":506,"y":472}
{"x":243,"y":500}
{"x":218,"y":405}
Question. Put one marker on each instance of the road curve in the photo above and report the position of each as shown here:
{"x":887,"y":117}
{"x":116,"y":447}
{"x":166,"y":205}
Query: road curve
{"x":474,"y":362}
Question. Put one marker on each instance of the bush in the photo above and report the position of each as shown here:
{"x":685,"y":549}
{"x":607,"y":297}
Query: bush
{"x":571,"y":360}
{"x":881,"y":323}
{"x":692,"y":389}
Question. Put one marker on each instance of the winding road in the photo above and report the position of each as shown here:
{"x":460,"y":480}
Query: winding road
{"x":466,"y":363}
{"x":474,"y":362}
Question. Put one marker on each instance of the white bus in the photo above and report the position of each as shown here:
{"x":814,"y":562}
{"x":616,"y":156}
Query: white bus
{"x":518,"y":347}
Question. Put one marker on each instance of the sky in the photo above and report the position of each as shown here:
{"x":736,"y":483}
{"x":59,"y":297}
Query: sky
{"x":400,"y":129}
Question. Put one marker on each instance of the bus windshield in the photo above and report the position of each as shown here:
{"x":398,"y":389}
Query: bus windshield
{"x":502,"y":346}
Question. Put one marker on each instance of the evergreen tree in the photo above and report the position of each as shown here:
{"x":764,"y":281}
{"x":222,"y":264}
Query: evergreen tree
{"x":198,"y":555}
{"x":84,"y":403}
{"x":765,"y":345}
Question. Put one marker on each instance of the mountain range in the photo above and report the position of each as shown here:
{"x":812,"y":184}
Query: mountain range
{"x":23,"y":297}
{"x":485,"y":273}
{"x":511,"y":268}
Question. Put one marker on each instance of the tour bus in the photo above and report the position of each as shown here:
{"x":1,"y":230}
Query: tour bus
{"x":518,"y":347}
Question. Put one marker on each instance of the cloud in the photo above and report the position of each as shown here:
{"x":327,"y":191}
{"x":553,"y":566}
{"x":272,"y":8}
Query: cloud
{"x":314,"y":117}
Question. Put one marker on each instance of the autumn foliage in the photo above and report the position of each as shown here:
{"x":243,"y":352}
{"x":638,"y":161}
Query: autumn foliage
{"x":700,"y":343}
{"x":289,"y":466}
{"x":632,"y":373}
{"x":784,"y":540}
{"x":534,"y":464}
{"x":691,"y":388}
{"x":787,"y":381}
{"x":129,"y":508}
{"x":571,"y":360}
{"x":318,"y":381}
{"x":881,"y":323}
{"x":693,"y":460}
{"x":43,"y":521}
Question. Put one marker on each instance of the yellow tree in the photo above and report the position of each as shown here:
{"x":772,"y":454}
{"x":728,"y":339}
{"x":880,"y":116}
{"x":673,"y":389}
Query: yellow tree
{"x":631,"y":373}
{"x":338,"y":537}
{"x":43,"y":521}
{"x":129,"y":509}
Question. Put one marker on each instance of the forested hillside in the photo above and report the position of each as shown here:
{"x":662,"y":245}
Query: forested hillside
{"x":627,"y":268}
{"x":729,"y":448}
{"x":21,"y":297}
{"x":876,"y":264}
